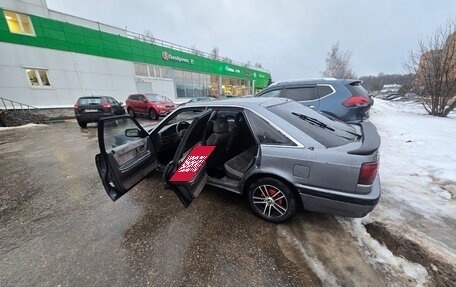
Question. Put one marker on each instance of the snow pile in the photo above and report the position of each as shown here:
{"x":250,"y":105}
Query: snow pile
{"x":23,"y":126}
{"x":418,"y":159}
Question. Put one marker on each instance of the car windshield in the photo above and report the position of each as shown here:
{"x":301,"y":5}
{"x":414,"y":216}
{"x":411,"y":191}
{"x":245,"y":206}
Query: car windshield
{"x":88,"y":101}
{"x":186,"y":115}
{"x":156,"y":98}
{"x":328,"y":132}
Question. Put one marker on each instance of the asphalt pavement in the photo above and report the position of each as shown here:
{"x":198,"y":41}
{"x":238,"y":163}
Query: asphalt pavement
{"x":59,"y":228}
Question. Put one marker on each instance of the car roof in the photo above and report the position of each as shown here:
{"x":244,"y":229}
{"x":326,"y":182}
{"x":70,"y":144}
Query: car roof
{"x":248,"y":102}
{"x":312,"y":81}
{"x":94,"y":97}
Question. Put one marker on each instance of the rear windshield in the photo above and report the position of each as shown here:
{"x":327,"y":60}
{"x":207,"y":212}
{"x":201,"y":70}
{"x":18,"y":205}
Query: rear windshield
{"x":156,"y":98}
{"x":357,"y":90}
{"x":328,"y":132}
{"x":88,"y":101}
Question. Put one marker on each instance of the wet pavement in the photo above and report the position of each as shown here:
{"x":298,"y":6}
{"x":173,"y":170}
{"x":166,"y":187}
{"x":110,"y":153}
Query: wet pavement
{"x":59,"y":228}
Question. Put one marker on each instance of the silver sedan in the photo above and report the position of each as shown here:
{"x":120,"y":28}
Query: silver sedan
{"x":280,"y":154}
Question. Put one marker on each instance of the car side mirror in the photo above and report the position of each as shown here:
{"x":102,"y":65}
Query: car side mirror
{"x":133,"y":133}
{"x":120,"y":103}
{"x":144,"y":100}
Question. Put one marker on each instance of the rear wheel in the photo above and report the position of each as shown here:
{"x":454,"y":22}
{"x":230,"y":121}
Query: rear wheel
{"x":82,"y":124}
{"x":153,"y":114}
{"x":272,"y":200}
{"x":131,"y":112}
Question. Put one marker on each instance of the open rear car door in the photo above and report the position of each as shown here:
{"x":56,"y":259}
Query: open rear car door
{"x":127,"y":154}
{"x":186,"y":173}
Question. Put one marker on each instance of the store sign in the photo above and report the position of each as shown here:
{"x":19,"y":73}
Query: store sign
{"x":167,"y":56}
{"x":232,"y":70}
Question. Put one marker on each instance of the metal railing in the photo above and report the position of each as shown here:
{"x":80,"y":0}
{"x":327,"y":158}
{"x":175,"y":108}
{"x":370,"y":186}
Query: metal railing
{"x":31,"y":112}
{"x":194,"y":51}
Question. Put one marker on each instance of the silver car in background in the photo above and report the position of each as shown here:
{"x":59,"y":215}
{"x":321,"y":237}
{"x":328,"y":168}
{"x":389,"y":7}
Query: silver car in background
{"x":277,"y":152}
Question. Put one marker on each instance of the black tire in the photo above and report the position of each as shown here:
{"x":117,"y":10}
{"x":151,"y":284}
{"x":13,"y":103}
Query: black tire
{"x":131,"y":112}
{"x":272,"y":200}
{"x":153,"y":114}
{"x":82,"y":124}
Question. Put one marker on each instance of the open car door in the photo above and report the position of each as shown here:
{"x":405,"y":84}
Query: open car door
{"x":127,"y":154}
{"x":186,"y":173}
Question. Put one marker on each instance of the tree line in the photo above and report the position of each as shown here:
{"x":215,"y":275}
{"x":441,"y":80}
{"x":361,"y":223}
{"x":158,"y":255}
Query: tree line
{"x":431,"y":71}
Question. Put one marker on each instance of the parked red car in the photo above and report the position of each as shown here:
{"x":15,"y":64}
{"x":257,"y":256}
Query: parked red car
{"x":152,"y":105}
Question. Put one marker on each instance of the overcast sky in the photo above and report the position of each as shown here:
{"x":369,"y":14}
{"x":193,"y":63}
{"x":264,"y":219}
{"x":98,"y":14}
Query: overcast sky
{"x":291,"y":38}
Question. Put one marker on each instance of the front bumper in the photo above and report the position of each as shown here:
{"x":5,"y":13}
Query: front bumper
{"x":164,"y":112}
{"x":340,"y":203}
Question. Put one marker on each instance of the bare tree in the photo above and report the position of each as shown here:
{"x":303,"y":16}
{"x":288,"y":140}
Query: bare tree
{"x":338,"y":63}
{"x":196,"y":51}
{"x":215,"y":53}
{"x":148,"y":36}
{"x":434,"y":63}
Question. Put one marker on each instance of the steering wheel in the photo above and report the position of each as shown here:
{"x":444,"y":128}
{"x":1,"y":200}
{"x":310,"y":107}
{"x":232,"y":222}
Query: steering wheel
{"x":181,"y":128}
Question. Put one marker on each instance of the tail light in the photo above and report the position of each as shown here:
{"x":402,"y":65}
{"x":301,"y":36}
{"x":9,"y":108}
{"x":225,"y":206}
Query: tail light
{"x":368,"y":173}
{"x":106,"y":105}
{"x":356,"y":101}
{"x":76,"y":105}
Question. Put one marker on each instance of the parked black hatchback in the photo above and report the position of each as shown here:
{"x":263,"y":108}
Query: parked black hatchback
{"x":342,"y":99}
{"x":91,"y":109}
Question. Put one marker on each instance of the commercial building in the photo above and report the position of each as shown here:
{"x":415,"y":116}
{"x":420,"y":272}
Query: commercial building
{"x":48,"y":59}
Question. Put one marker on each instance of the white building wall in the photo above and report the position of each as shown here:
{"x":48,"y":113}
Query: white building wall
{"x":35,"y":7}
{"x":71,"y":76}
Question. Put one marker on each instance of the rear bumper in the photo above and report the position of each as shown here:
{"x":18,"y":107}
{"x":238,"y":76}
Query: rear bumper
{"x":341,"y":203}
{"x":91,"y":117}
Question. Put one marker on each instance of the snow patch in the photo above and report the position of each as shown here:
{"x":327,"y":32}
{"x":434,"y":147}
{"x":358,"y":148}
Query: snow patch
{"x":380,"y":254}
{"x":21,"y":127}
{"x":327,"y":279}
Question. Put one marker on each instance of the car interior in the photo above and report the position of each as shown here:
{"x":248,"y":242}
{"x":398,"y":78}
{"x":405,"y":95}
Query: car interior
{"x":226,"y":129}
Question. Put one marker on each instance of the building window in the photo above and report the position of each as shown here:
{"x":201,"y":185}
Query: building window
{"x":19,"y":23}
{"x":38,"y":77}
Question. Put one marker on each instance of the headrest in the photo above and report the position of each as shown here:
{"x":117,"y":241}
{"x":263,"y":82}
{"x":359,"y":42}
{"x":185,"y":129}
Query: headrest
{"x":239,"y":118}
{"x":221,"y":125}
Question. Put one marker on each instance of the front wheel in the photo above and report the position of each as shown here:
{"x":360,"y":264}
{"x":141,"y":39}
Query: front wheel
{"x":131,"y":112}
{"x":272,"y":200}
{"x":153,"y":114}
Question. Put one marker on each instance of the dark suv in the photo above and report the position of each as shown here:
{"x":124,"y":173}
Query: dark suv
{"x":91,"y":109}
{"x":342,"y":99}
{"x":152,"y":105}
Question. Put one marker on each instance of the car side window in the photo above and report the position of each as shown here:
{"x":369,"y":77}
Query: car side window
{"x":266,"y":133}
{"x":140,"y":98}
{"x":324,"y":91}
{"x":301,"y":93}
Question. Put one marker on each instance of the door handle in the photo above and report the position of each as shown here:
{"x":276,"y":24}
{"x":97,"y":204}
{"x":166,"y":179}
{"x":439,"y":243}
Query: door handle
{"x":312,"y":107}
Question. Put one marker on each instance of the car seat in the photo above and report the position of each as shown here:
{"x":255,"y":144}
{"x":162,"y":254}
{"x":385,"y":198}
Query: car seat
{"x":219,"y":138}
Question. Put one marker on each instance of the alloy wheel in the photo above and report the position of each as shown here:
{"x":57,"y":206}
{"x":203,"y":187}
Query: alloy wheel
{"x":270,"y":201}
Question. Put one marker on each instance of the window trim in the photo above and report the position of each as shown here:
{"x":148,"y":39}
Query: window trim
{"x":284,"y":133}
{"x":21,"y":26}
{"x":327,"y":85}
{"x":38,"y":77}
